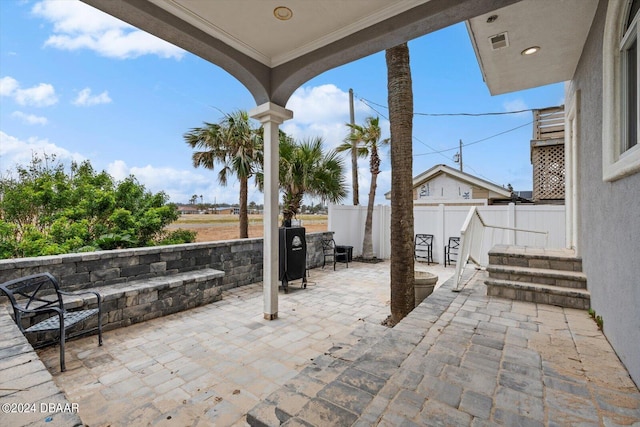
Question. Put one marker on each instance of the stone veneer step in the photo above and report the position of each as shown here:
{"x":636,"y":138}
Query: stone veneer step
{"x":562,"y":278}
{"x":539,"y":293}
{"x":522,"y":256}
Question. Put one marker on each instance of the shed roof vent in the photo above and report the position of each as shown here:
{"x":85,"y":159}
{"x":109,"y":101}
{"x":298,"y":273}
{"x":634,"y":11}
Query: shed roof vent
{"x":499,"y":41}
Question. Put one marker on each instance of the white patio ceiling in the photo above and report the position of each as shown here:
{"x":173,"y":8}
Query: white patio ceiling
{"x":273,"y":57}
{"x":558,"y":27}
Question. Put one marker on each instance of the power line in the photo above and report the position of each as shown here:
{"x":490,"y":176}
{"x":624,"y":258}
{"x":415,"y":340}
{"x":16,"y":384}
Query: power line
{"x":495,"y":113}
{"x":478,"y":141}
{"x":413,"y":136}
{"x":479,"y":174}
{"x":434,"y":151}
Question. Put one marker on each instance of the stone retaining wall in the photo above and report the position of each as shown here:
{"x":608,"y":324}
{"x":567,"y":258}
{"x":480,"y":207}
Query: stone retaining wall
{"x":241,"y":261}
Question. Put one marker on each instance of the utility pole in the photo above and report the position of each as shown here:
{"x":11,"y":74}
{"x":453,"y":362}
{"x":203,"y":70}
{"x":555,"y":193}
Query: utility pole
{"x":458,"y":157}
{"x":354,"y":154}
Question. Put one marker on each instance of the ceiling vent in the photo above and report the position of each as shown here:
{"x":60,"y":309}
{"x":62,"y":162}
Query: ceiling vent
{"x":499,"y":41}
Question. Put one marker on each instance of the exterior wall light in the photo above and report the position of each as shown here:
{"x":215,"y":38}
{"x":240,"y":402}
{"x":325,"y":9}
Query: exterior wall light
{"x":282,"y":13}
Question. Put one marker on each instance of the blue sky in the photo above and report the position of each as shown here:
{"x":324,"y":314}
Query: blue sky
{"x":83,"y":85}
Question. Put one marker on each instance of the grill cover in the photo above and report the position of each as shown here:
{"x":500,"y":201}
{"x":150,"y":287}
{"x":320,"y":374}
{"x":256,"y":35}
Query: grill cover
{"x":293,"y":253}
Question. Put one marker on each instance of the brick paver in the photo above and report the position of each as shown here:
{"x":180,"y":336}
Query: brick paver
{"x":468,"y":359}
{"x":457,"y":359}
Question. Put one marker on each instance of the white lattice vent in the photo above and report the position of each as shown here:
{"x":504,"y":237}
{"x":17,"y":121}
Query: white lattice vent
{"x":548,"y":171}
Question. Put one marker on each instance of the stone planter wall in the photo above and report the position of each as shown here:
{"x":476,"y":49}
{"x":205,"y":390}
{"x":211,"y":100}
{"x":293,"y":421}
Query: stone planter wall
{"x":240,"y":260}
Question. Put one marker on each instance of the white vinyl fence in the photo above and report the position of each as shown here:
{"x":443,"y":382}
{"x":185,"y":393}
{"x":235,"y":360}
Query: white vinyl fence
{"x":347,"y":222}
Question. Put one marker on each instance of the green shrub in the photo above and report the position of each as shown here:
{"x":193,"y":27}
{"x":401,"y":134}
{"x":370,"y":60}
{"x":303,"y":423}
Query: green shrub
{"x":179,"y":236}
{"x":47,"y":209}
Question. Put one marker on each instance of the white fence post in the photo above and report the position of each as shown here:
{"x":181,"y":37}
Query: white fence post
{"x":331,"y":217}
{"x":511,"y":222}
{"x":441,"y":233}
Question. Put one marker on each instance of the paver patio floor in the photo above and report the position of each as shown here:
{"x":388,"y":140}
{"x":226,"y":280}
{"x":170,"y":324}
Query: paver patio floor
{"x":214,"y":363}
{"x":458,"y":359}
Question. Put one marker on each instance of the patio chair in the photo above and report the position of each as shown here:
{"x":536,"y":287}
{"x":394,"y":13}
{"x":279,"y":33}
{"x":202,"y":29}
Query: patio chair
{"x":39,"y":296}
{"x":329,"y":251}
{"x":334,"y":253}
{"x":423,"y":247}
{"x":451,"y":250}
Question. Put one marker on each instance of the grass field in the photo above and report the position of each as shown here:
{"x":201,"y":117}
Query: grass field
{"x":225,"y":227}
{"x":233,"y":219}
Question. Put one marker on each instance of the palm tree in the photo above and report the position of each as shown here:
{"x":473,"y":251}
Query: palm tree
{"x":365,"y":140}
{"x":400,"y":100}
{"x":306,"y":169}
{"x":234,"y":144}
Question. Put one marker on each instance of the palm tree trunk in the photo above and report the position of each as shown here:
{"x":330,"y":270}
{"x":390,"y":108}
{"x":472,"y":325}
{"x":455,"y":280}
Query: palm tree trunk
{"x":354,"y":173}
{"x":244,"y":216}
{"x":367,"y":241}
{"x":291,"y":205}
{"x":400,"y":100}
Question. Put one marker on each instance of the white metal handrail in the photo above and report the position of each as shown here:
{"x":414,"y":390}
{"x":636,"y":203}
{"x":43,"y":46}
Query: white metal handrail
{"x":472,"y":240}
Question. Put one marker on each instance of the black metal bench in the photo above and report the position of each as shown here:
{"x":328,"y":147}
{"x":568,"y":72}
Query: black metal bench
{"x":39,"y":295}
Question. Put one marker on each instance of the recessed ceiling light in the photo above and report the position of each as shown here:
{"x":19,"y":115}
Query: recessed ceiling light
{"x":491,"y":19}
{"x":282,"y":13}
{"x":530,"y":50}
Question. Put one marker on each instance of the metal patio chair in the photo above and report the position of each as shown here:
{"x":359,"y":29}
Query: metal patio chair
{"x":423,"y":247}
{"x":39,"y":295}
{"x":451,"y":250}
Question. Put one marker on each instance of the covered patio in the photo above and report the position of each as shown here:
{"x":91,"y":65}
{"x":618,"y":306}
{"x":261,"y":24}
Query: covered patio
{"x":457,"y":359}
{"x":274,"y":48}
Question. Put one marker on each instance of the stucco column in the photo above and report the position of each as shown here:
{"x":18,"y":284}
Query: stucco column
{"x":271,"y":116}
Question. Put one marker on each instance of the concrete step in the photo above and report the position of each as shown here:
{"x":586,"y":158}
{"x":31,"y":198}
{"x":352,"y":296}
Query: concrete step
{"x":539,"y":293}
{"x":523,"y":256}
{"x":543,"y":276}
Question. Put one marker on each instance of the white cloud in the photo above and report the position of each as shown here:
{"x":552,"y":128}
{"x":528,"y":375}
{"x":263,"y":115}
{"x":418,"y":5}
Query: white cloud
{"x":42,"y":95}
{"x":324,"y":111}
{"x":79,"y":26}
{"x":30,"y":119}
{"x":326,"y":103}
{"x":517,"y":105}
{"x":118,"y":169}
{"x":14,"y":151}
{"x":180,"y":185}
{"x":8,"y":86}
{"x":86,"y":99}
{"x":383,"y":185}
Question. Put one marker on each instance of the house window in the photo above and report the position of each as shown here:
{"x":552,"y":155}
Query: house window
{"x":621,"y":95}
{"x":629,"y":55}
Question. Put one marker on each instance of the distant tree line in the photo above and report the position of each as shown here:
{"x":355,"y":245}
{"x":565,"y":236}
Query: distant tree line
{"x":254,"y":207}
{"x":46,"y":209}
